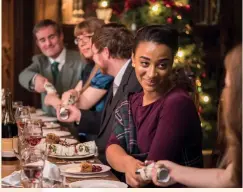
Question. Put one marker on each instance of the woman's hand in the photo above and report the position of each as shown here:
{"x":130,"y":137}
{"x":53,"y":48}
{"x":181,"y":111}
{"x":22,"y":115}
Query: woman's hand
{"x":52,"y":99}
{"x":132,"y":179}
{"x":66,"y":95}
{"x":172,"y":167}
{"x":74,"y":114}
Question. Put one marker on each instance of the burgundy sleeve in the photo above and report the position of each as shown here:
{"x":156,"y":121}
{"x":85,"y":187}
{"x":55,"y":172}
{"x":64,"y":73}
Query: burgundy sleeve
{"x":174,"y":124}
{"x":112,"y":140}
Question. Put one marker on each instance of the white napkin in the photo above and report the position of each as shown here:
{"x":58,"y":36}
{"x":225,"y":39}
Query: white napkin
{"x":50,"y":172}
{"x":12,"y":180}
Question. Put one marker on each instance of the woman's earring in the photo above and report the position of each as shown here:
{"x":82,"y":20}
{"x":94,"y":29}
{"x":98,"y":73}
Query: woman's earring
{"x":133,"y":64}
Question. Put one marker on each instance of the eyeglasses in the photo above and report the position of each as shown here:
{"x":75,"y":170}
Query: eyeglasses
{"x":84,"y":39}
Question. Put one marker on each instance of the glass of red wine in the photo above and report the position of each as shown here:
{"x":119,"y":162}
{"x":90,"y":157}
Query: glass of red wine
{"x":22,"y":115}
{"x":33,"y":132}
{"x":33,"y":162}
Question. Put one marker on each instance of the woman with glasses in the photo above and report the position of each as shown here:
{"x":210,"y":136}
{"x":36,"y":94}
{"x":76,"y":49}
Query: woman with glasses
{"x":92,"y":94}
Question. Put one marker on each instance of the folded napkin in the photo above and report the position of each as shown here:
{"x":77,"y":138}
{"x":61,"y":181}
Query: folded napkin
{"x":50,"y":172}
{"x":12,"y":180}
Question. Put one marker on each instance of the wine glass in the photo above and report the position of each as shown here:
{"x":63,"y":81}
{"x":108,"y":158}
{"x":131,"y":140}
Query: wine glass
{"x":18,"y":146}
{"x":33,"y":161}
{"x":33,"y":132}
{"x":22,"y":115}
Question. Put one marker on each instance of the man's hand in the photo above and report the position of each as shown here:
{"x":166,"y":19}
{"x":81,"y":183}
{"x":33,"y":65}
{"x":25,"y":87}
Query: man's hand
{"x":74,"y":114}
{"x":52,"y":99}
{"x":39,"y":83}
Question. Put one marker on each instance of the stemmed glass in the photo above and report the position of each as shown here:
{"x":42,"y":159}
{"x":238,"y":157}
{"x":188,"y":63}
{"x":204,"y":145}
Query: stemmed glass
{"x":33,"y":161}
{"x":33,"y":132}
{"x":22,"y":115}
{"x":18,"y":146}
{"x":17,"y":104}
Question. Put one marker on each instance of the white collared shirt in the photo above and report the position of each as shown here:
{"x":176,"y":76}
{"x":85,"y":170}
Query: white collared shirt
{"x":60,"y":59}
{"x":118,"y":78}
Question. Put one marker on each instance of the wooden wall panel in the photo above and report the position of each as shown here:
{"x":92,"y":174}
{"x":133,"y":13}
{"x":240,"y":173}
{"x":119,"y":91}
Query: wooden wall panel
{"x":7,"y":45}
{"x":47,"y":9}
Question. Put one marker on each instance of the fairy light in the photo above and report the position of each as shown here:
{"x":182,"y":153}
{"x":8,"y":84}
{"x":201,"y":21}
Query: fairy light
{"x":180,"y":54}
{"x":176,"y":60}
{"x":178,"y":4}
{"x":104,"y":4}
{"x":199,"y":89}
{"x":167,"y":5}
{"x":206,"y":99}
{"x":198,"y":66}
{"x":179,"y":17}
{"x":155,"y":8}
{"x":198,"y":82}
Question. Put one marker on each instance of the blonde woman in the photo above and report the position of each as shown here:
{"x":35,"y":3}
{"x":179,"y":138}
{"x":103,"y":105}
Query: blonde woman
{"x":92,"y":94}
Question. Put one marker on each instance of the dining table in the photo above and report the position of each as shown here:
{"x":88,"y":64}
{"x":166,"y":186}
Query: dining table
{"x":8,"y":167}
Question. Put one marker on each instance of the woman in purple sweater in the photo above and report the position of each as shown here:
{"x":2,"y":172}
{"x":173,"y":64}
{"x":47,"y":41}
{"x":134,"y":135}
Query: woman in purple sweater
{"x":160,"y":123}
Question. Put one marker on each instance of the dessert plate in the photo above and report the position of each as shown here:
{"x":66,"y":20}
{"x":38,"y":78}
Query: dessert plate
{"x":75,"y":169}
{"x":98,"y":184}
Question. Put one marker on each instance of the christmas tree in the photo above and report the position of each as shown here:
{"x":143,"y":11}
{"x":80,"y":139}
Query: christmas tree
{"x":138,"y":13}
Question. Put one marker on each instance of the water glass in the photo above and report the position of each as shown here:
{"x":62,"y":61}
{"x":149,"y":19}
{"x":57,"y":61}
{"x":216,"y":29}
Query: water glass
{"x":18,"y":145}
{"x":33,"y":162}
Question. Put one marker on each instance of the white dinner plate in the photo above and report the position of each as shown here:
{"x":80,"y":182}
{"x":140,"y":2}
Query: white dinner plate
{"x":38,"y":112}
{"x":71,"y":157}
{"x":51,"y":125}
{"x":56,"y":132}
{"x":98,"y":184}
{"x":8,"y":154}
{"x":68,"y":140}
{"x":75,"y":169}
{"x":45,"y":118}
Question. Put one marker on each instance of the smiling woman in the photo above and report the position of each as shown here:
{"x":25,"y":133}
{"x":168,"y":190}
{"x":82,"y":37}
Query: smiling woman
{"x":162,"y":121}
{"x":153,"y":64}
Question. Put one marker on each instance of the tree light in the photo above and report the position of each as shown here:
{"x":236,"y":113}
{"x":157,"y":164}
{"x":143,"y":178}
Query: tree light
{"x":179,"y":17}
{"x":104,"y":4}
{"x":198,"y":82}
{"x":155,"y":8}
{"x":206,"y":99}
{"x":180,"y":54}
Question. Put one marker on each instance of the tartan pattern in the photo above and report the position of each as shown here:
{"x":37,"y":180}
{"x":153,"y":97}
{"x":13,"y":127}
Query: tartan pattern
{"x":124,"y":128}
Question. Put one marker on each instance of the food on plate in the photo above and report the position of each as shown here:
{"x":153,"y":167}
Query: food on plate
{"x":60,"y":147}
{"x":88,"y":167}
{"x":32,"y":109}
{"x":57,"y":149}
{"x":52,"y":138}
{"x":96,"y":168}
{"x":85,"y":167}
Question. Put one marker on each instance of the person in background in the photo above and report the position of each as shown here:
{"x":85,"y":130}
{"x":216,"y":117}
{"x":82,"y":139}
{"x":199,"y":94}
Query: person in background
{"x":56,"y":64}
{"x":229,"y":172}
{"x":161,"y":122}
{"x":112,"y":48}
{"x":92,"y":95}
